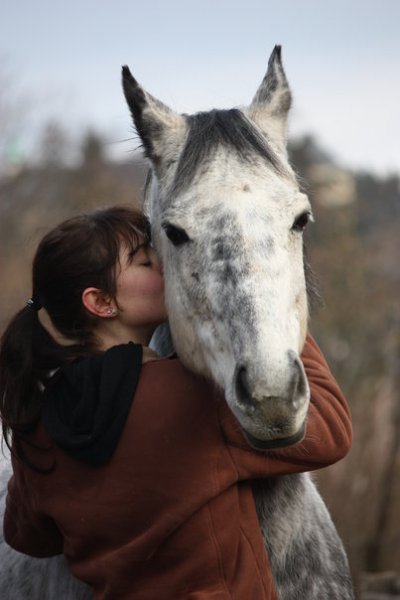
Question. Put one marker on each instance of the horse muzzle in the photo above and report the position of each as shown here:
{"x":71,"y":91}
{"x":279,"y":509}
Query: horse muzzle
{"x":272,"y":409}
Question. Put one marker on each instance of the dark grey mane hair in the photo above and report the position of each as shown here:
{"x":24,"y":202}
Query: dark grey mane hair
{"x":210,"y":130}
{"x":314,"y":296}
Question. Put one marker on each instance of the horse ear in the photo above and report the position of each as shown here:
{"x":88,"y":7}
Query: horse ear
{"x":271,"y":104}
{"x":157,"y":125}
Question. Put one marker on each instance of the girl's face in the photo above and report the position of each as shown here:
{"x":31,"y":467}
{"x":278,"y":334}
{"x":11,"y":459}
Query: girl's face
{"x":140,"y":290}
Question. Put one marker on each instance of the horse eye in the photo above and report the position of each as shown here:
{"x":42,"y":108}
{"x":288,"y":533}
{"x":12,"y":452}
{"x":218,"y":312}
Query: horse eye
{"x":301,"y":222}
{"x":176,"y":235}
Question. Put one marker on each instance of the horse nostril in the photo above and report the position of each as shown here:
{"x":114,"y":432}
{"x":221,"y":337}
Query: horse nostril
{"x":242,"y":388}
{"x":298,"y":387}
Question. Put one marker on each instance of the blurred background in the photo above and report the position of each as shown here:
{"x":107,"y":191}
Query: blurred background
{"x":67,"y":145}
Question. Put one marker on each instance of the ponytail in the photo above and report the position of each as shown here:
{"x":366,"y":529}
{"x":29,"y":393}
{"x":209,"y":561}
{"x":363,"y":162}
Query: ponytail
{"x":28,"y":357}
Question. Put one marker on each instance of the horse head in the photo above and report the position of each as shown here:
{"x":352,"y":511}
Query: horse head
{"x":227,"y":218}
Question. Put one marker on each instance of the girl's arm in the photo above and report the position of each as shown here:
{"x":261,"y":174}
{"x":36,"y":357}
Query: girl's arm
{"x":328,"y":433}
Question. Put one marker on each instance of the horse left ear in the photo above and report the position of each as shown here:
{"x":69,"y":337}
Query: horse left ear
{"x":271,"y":104}
{"x":159,"y":128}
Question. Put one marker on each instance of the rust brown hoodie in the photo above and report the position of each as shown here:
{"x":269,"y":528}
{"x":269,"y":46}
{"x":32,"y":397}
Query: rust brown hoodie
{"x":170,"y":515}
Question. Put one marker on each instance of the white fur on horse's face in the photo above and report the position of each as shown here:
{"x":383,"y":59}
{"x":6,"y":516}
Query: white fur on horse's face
{"x":235,"y":290}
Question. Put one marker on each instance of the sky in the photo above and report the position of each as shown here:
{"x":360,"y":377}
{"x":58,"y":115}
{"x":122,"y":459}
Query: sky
{"x":62,"y":61}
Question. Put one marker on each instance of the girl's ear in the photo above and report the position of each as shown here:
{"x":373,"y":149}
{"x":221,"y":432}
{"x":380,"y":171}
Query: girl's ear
{"x":98,"y":303}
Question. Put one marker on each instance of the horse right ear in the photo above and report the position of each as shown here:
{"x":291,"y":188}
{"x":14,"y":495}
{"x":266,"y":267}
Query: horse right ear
{"x":271,"y":104}
{"x":159,"y":128}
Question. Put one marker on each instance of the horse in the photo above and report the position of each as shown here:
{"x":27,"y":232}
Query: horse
{"x":227,"y":219}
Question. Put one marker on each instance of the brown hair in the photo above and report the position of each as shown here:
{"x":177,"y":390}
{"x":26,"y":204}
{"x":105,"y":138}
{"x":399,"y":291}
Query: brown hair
{"x":79,"y":253}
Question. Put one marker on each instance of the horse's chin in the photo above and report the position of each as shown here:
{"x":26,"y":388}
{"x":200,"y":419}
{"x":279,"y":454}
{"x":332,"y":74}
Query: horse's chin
{"x":272,"y":444}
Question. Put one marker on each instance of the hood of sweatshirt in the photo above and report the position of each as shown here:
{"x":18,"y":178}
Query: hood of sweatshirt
{"x":87,"y":402}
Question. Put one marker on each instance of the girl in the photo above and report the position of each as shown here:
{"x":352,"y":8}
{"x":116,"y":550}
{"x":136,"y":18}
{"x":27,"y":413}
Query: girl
{"x":127,"y":463}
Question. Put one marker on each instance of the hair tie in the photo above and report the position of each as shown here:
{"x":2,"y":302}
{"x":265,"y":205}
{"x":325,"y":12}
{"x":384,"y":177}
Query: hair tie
{"x":33,"y":304}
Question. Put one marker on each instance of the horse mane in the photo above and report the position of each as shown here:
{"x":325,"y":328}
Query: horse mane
{"x":314,"y":296}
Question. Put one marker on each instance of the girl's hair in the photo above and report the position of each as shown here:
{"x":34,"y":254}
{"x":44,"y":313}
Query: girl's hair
{"x":81,"y":252}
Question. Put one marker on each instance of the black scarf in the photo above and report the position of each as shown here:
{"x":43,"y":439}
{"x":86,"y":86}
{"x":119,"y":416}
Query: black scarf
{"x":88,"y":401}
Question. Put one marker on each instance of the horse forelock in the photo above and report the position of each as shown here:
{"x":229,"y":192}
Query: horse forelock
{"x":230,"y":129}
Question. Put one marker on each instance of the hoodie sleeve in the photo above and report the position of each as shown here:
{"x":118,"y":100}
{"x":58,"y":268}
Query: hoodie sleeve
{"x":328,"y":430}
{"x":25,"y":530}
